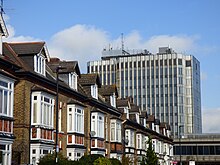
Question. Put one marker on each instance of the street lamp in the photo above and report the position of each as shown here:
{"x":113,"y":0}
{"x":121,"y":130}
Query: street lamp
{"x":180,"y":144}
{"x":57,"y":109}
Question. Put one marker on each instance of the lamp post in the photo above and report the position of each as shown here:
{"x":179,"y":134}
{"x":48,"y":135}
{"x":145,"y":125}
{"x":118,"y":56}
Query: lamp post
{"x":57,"y":109}
{"x":180,"y":144}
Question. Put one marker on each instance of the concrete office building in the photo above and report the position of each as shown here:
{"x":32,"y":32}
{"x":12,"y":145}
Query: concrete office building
{"x":166,"y":84}
{"x":202,"y":149}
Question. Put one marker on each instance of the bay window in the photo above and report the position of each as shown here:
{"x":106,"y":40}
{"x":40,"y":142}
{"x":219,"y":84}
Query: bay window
{"x":129,"y":135}
{"x":6,"y":97}
{"x":42,"y":109}
{"x":141,"y":141}
{"x":115,"y":130}
{"x":97,"y":124}
{"x":75,"y":119}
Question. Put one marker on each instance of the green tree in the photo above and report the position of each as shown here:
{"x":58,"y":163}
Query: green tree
{"x":49,"y":159}
{"x":102,"y":161}
{"x":89,"y":159}
{"x":115,"y":161}
{"x":126,"y":160}
{"x":151,"y":157}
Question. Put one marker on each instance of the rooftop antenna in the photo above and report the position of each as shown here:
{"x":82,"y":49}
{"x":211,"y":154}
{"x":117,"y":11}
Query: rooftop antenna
{"x":122,"y":43}
{"x":1,"y":8}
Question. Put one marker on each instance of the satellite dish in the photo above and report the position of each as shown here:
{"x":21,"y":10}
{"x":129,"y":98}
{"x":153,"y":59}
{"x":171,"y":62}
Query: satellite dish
{"x":126,"y":141}
{"x":92,"y":133}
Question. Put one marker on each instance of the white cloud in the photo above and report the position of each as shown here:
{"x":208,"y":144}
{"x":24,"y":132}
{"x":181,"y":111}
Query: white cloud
{"x":211,"y":120}
{"x":84,"y":43}
{"x":80,"y":42}
{"x":180,"y":43}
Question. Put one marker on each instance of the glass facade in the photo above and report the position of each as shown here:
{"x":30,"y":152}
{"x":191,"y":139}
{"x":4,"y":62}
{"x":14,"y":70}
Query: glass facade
{"x":166,"y":85}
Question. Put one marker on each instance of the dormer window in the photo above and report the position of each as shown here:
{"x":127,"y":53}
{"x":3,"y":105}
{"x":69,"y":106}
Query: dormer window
{"x":137,"y":118}
{"x":73,"y":80}
{"x":113,"y":100}
{"x":39,"y":64}
{"x":94,"y":91}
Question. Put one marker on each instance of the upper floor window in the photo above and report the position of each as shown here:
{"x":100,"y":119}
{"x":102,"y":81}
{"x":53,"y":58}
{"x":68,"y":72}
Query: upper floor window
{"x":73,"y":80}
{"x":140,"y":141}
{"x":6,"y":96}
{"x":42,"y":109}
{"x":129,"y":135}
{"x":94,"y":91}
{"x":39,"y":64}
{"x":113,"y":100}
{"x":97,"y":124}
{"x":137,"y":117}
{"x":115,"y":130}
{"x":75,"y":119}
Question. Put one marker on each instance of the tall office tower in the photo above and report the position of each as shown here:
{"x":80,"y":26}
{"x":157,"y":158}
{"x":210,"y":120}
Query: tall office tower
{"x":166,"y":84}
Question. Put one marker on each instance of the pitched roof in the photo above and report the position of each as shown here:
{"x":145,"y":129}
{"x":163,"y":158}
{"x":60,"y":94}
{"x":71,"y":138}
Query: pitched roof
{"x":143,"y":114}
{"x":122,"y":103}
{"x":107,"y":90}
{"x":134,"y":108}
{"x":19,"y":53}
{"x":133,"y":117}
{"x":151,"y":118}
{"x":26,"y":48}
{"x":165,"y":125}
{"x":89,"y":79}
{"x":68,"y":66}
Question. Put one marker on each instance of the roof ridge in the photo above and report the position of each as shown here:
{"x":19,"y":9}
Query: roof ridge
{"x":19,"y":43}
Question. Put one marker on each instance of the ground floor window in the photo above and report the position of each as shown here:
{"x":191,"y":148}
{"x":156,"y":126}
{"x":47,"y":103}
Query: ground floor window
{"x":5,"y":153}
{"x":39,"y":150}
{"x":75,"y":153}
{"x":116,"y":156}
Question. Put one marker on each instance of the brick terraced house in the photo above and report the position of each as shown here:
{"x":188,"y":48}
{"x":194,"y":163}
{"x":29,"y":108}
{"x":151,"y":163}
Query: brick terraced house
{"x":91,"y":117}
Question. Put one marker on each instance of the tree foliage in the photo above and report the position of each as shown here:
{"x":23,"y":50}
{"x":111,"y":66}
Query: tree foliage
{"x":151,"y":157}
{"x":102,"y":161}
{"x":49,"y":159}
{"x":89,"y":159}
{"x":115,"y":161}
{"x":126,"y":160}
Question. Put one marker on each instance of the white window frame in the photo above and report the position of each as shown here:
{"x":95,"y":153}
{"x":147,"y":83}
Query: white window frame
{"x":39,"y":64}
{"x":42,"y":109}
{"x":138,"y":141}
{"x":75,"y":119}
{"x":98,"y":124}
{"x":113,"y":100}
{"x":141,"y":142}
{"x":73,"y":80}
{"x":74,"y":153}
{"x":60,"y":120}
{"x":129,"y":134}
{"x":115,"y":131}
{"x":6,"y":96}
{"x":94,"y":91}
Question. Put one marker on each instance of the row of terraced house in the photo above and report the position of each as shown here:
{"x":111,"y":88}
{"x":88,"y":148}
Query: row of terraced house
{"x":91,"y":118}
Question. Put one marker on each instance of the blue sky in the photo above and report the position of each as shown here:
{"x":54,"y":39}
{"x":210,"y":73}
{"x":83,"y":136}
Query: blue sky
{"x":79,"y":30}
